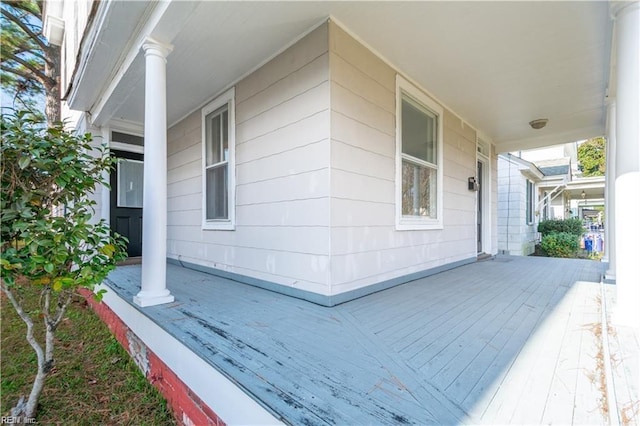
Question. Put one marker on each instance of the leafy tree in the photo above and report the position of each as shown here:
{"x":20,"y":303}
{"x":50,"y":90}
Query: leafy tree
{"x":29,"y":64}
{"x":48,"y":238}
{"x":591,"y":157}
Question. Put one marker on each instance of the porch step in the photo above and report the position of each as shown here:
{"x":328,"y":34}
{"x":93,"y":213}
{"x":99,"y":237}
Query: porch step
{"x":136,"y":260}
{"x":484,"y":256}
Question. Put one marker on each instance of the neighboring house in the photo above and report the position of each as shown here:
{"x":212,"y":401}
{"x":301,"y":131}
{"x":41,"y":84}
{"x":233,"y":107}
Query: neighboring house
{"x":553,"y":199}
{"x":327,"y":150}
{"x":518,"y":180}
{"x":534,"y":186}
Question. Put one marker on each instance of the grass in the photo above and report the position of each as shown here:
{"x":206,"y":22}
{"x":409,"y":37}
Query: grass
{"x":94,"y":380}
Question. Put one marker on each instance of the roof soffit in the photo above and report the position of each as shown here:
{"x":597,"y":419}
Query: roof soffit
{"x":497,"y":65}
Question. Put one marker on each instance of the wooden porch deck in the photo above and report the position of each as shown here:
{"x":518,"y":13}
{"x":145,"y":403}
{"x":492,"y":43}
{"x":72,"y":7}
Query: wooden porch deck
{"x":512,"y":340}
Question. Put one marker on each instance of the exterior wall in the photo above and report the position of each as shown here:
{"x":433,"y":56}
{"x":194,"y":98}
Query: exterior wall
{"x":76,"y":12}
{"x":558,"y":208}
{"x":282,"y":176}
{"x":365,"y":246}
{"x":515,"y":236}
{"x":315,"y":177}
{"x":547,"y":153}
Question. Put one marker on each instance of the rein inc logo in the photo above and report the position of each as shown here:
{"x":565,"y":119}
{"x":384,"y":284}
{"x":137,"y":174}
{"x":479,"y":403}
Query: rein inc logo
{"x":14,"y":420}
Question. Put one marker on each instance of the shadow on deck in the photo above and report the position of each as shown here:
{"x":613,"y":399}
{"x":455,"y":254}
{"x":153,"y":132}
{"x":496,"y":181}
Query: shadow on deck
{"x":502,"y":341}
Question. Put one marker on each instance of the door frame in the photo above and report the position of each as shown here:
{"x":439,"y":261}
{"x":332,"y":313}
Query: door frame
{"x":113,"y":194}
{"x":116,"y":125}
{"x":483,"y":155}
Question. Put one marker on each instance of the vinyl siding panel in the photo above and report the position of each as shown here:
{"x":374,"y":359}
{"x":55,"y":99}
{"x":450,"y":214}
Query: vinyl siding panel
{"x":282,"y":175}
{"x":365,"y":246}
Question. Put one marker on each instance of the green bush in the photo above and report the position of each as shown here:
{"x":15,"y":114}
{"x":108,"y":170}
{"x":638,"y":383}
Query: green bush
{"x":560,"y":244}
{"x":570,"y":226}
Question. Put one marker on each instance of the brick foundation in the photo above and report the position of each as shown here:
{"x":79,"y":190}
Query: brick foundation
{"x":187,"y":408}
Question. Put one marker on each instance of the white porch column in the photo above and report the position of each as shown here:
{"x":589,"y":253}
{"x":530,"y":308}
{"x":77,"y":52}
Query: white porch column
{"x":627,"y":185}
{"x":154,"y":204}
{"x":610,"y":198}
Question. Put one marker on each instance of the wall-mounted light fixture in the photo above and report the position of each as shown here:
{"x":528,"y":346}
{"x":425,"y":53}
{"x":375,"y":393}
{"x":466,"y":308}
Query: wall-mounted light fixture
{"x":472,"y":184}
{"x":539,"y":123}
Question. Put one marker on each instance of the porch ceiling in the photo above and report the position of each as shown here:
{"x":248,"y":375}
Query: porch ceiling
{"x":498,"y":65}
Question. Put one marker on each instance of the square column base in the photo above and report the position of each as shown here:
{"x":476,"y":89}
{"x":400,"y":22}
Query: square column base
{"x":145,"y":301}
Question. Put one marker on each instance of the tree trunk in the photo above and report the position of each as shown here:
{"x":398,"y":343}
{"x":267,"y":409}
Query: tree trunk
{"x":52,"y":84}
{"x":26,"y":411}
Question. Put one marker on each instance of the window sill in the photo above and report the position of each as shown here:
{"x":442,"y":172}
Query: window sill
{"x":218,"y":226}
{"x":419,"y":225}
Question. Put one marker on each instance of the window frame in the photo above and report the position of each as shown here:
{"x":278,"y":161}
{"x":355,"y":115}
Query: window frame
{"x":228,"y":224}
{"x":529,"y":202}
{"x":405,"y":88}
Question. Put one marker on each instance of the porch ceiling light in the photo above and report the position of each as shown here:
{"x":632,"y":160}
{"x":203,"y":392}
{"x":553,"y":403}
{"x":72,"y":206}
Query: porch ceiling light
{"x":539,"y":123}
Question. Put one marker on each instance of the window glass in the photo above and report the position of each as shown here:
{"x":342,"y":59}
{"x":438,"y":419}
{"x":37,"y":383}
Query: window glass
{"x":216,"y":130}
{"x":216,"y":170}
{"x":418,"y":190}
{"x":217,"y":192}
{"x":419,"y":148}
{"x":529,"y":206}
{"x":130,"y":183}
{"x":418,"y":131}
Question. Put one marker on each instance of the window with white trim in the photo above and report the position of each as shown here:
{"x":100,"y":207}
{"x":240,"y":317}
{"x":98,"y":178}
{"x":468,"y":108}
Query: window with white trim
{"x":529,"y":200}
{"x":419,"y":159}
{"x":218,"y":183}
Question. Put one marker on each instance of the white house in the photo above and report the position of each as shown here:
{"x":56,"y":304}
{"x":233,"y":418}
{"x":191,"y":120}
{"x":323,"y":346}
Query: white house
{"x":539,"y":185}
{"x":327,"y":150}
{"x":518,"y":197}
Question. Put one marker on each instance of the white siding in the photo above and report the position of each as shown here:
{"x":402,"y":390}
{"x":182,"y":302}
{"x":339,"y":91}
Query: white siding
{"x":282,"y":176}
{"x":515,"y":235}
{"x":365,"y":246}
{"x":315,"y":176}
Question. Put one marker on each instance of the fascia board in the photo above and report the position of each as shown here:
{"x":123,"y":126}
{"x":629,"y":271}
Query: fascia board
{"x":96,"y":68}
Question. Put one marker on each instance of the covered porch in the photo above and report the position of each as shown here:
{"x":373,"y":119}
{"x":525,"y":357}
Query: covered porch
{"x":498,"y":66}
{"x":510,"y":340}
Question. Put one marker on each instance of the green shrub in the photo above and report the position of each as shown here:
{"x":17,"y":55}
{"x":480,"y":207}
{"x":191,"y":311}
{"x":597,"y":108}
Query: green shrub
{"x":570,"y":226}
{"x":560,"y":244}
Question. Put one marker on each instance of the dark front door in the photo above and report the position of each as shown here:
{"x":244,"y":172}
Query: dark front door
{"x":126,"y":199}
{"x":479,"y":177}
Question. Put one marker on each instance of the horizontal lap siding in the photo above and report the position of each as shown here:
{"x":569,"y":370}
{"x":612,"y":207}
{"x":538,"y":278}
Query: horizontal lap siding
{"x":514,"y":235}
{"x":282,"y":175}
{"x":365,"y":246}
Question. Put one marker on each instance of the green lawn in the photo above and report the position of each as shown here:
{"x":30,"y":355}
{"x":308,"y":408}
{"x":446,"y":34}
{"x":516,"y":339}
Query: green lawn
{"x":94,"y":380}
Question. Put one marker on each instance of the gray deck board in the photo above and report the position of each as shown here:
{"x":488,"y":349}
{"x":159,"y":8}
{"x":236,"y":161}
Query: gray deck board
{"x":456,"y":347}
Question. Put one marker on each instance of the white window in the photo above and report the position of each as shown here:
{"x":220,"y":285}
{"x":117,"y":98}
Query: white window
{"x":418,"y":159}
{"x":218,"y":163}
{"x":529,"y":206}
